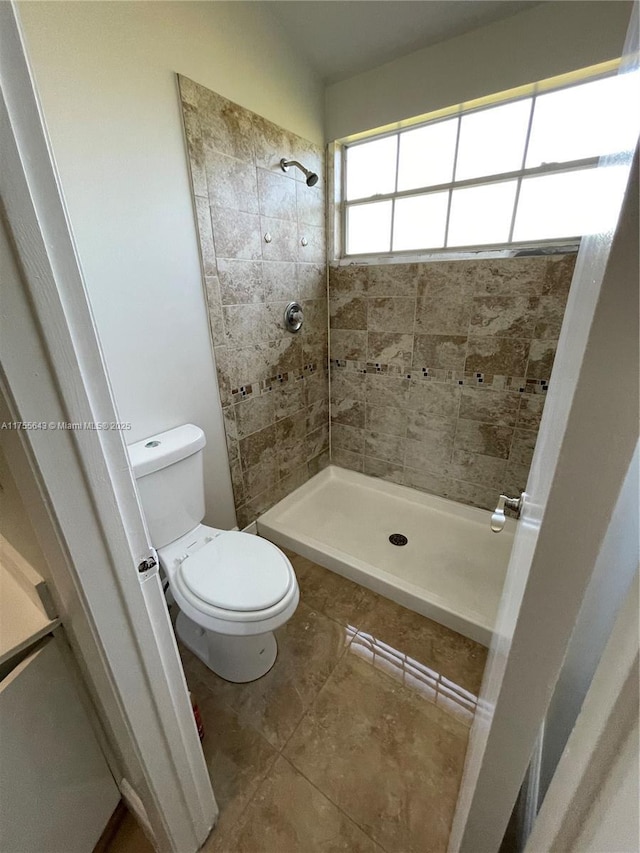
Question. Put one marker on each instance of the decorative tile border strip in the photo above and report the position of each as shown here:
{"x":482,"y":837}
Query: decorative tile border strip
{"x":496,"y":382}
{"x":263,"y":386}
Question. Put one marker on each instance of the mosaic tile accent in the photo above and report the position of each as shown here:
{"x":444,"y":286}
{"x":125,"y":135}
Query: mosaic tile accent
{"x":462,"y":352}
{"x":451,"y":377}
{"x":273,"y":385}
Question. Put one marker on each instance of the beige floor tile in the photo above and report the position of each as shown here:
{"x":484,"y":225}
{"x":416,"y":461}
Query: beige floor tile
{"x":377,"y":703}
{"x":238,"y":759}
{"x":340,"y":599}
{"x":289,"y":815}
{"x":454,"y":657}
{"x":309,"y":647}
{"x":389,"y":759}
{"x":129,"y":838}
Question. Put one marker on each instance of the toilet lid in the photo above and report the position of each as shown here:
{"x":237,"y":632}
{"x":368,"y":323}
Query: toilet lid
{"x":238,"y":571}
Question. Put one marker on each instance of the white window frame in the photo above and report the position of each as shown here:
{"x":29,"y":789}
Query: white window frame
{"x":338,"y":170}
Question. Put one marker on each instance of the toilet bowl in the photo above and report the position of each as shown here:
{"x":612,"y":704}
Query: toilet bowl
{"x":233,"y":589}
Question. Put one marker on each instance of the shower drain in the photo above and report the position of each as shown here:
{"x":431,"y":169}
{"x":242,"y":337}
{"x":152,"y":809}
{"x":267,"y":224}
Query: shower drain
{"x":398,"y":539}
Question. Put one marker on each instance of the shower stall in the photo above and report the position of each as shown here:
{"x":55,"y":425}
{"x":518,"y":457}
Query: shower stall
{"x":376,"y":432}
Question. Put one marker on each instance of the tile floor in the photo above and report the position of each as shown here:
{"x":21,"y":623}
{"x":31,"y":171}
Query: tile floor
{"x":354,"y":741}
{"x":129,"y":838}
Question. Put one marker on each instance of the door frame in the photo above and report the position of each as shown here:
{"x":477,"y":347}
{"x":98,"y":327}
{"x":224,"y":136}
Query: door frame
{"x":585,"y":446}
{"x":78,"y":484}
{"x":577,"y":794}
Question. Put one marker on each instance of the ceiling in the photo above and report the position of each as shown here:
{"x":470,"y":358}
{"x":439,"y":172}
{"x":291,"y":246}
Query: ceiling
{"x":341,"y":38}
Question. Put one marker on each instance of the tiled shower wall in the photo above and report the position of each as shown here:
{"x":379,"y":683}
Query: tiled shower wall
{"x":439,"y":371}
{"x":273,"y":384}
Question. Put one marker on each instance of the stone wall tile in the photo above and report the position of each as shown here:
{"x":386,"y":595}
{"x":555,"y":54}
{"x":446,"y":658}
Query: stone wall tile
{"x":394,"y":314}
{"x":530,"y":411}
{"x":541,"y":357}
{"x":434,"y":397}
{"x":477,"y":468}
{"x":383,"y":390}
{"x":348,"y":312}
{"x":310,"y":205}
{"x":258,"y":448}
{"x":440,"y":351}
{"x":253,"y":414}
{"x":348,"y":411}
{"x":522,"y":447}
{"x":288,"y":399}
{"x":349,"y":279}
{"x":205,"y":236}
{"x":347,"y":459}
{"x":347,"y":437}
{"x":504,"y":356}
{"x":232,"y":183}
{"x":488,"y":439}
{"x":311,"y":244}
{"x":349,"y":344}
{"x":283,"y":242}
{"x":311,"y":280}
{"x":236,"y":234}
{"x":279,"y":281}
{"x":317,"y":442}
{"x":393,"y":473}
{"x":504,"y":316}
{"x":386,"y":419}
{"x":390,"y":348}
{"x":510,"y":276}
{"x":493,"y":407}
{"x":240,"y":281}
{"x":391,"y":448}
{"x":277,"y":195}
{"x":225,"y":126}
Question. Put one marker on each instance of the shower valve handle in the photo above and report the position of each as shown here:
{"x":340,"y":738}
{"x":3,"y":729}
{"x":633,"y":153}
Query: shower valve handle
{"x":498,"y":518}
{"x":293,"y":317}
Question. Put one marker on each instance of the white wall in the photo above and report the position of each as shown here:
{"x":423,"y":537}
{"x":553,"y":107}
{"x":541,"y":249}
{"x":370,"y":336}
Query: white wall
{"x":613,"y":575}
{"x":552,"y":38}
{"x":106,"y":77}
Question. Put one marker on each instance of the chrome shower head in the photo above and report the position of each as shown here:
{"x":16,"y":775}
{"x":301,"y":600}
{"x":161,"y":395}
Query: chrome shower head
{"x":312,"y":178}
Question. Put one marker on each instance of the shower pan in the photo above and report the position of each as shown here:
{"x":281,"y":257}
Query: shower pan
{"x":451,"y":568}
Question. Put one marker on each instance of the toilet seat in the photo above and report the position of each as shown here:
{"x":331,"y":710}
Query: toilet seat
{"x":237,"y":572}
{"x":174,"y":559}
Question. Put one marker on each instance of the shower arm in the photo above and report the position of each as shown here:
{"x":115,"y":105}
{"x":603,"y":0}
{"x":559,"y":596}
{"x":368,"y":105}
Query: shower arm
{"x":284,"y":165}
{"x":312,"y":178}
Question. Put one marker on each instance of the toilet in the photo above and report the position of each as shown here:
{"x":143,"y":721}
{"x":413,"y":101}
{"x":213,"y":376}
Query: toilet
{"x":233,"y":589}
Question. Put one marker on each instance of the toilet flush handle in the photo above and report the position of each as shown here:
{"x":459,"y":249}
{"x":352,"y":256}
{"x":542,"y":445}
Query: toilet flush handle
{"x":498,"y":518}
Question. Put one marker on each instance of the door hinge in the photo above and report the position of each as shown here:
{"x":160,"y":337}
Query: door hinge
{"x":150,"y":562}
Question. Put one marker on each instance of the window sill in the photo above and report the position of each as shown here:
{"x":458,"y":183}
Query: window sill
{"x":484,"y":253}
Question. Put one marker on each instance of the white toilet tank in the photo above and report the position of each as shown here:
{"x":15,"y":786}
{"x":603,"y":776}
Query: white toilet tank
{"x":169,"y":475}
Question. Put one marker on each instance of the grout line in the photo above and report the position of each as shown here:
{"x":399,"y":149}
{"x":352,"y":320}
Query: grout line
{"x":322,"y":686}
{"x":334,"y":804}
{"x":239,"y":821}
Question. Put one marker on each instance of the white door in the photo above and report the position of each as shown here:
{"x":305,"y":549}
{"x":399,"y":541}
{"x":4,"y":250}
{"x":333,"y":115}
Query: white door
{"x":83,"y":496}
{"x":584,"y":450}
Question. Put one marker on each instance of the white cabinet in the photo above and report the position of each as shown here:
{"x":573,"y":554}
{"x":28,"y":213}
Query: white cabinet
{"x":56,"y":791}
